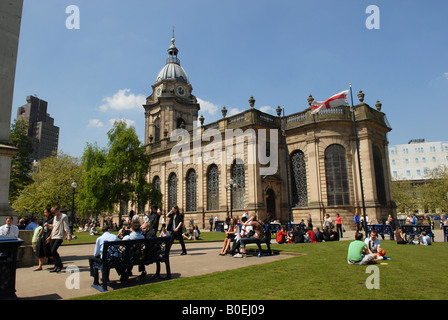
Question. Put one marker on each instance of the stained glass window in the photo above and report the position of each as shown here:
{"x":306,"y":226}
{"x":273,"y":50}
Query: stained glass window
{"x":338,"y":192}
{"x":191,"y":190}
{"x":172,"y":190}
{"x":379,"y":175}
{"x":239,"y":178}
{"x":299,"y":191}
{"x":213,"y":188}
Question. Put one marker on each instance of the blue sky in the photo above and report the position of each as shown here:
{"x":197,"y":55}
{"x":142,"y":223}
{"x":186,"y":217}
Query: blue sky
{"x":277,"y":51}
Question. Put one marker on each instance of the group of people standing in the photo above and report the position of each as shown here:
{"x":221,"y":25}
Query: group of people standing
{"x":53,"y":230}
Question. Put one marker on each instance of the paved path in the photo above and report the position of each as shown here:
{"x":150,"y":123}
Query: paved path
{"x":202,"y":258}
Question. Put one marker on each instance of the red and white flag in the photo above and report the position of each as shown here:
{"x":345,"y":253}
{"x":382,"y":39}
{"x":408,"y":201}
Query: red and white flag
{"x":337,"y":100}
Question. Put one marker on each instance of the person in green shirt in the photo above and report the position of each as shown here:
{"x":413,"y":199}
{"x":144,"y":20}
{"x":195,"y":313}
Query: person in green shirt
{"x":356,"y":251}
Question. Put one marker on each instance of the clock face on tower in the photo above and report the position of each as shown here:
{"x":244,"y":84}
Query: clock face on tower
{"x":159,"y":91}
{"x":180,"y":91}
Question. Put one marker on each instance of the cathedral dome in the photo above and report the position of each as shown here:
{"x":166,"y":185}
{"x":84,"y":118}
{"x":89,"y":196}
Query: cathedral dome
{"x":172,"y":69}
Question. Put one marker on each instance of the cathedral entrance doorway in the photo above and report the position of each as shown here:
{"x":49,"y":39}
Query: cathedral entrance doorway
{"x":270,"y":203}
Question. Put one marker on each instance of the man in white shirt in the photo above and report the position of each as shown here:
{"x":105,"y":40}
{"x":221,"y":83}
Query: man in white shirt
{"x":98,"y":252}
{"x":9,"y":230}
{"x":59,"y":231}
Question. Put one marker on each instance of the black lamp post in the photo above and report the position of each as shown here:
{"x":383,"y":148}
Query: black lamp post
{"x":230,"y":186}
{"x":72,"y":216}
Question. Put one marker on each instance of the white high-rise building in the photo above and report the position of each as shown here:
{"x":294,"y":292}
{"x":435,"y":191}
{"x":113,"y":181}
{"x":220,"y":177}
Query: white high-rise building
{"x":416,"y":160}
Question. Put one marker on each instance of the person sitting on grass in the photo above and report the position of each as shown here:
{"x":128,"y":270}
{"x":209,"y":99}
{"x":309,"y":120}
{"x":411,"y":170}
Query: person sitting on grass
{"x":357,"y":251}
{"x":400,"y":236}
{"x":374,"y":244}
{"x":281,"y":235}
{"x":425,"y":239}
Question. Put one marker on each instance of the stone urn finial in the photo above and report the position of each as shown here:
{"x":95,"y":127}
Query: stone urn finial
{"x":361,"y":96}
{"x":252,"y":102}
{"x":310,"y":100}
{"x":224,"y":111}
{"x":378,"y":105}
{"x":279,"y":111}
{"x":201,"y":120}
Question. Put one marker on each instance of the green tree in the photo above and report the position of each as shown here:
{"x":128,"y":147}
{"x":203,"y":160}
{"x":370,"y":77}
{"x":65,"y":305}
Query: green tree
{"x":117,"y":174}
{"x":94,"y":196}
{"x":21,"y":165}
{"x":51,"y":185}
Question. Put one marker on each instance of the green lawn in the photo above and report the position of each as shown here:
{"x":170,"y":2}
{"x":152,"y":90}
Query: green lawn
{"x":415,"y":272}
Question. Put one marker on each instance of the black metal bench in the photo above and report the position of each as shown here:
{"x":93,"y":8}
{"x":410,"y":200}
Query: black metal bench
{"x":129,"y":253}
{"x":416,"y":230}
{"x":382,"y":229}
{"x":445,"y":233}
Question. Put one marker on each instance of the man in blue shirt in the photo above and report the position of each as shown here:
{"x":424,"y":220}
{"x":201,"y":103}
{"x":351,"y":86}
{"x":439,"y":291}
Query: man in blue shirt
{"x":356,"y":221}
{"x":97,"y":254}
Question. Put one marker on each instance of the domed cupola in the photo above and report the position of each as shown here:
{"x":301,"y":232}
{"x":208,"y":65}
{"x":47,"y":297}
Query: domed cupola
{"x":172,"y":69}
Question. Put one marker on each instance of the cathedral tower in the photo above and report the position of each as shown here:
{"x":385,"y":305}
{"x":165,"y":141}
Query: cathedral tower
{"x":171,"y":104}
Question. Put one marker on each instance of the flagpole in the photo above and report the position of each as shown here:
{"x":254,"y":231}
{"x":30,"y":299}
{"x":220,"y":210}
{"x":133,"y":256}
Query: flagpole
{"x":359,"y":161}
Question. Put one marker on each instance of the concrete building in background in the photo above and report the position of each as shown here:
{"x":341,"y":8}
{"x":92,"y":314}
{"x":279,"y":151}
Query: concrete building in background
{"x":42,"y":131}
{"x":10,"y":19}
{"x":416,"y":159}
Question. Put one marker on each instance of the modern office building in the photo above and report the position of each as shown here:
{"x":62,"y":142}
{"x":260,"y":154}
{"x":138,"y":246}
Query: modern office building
{"x":417,"y":159}
{"x":42,"y":131}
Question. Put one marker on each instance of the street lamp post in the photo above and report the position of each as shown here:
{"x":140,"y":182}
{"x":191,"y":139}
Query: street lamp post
{"x":72,"y":216}
{"x":230,"y":186}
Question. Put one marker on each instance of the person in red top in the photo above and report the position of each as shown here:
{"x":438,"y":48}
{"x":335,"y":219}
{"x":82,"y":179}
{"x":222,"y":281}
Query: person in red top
{"x":339,"y":225}
{"x":281,"y":236}
{"x":310,"y":233}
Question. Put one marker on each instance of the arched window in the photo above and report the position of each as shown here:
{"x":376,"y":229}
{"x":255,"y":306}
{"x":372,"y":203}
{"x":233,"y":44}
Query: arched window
{"x":157,"y":130}
{"x":239,"y":178}
{"x":180,"y":123}
{"x":191,"y":190}
{"x":299,"y":191}
{"x":213,"y":187}
{"x":338,"y":192}
{"x":172,"y":190}
{"x":379,"y":175}
{"x":156,"y":182}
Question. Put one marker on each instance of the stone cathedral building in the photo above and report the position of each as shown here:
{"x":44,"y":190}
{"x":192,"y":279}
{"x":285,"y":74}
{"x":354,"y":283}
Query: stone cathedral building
{"x":314,"y":157}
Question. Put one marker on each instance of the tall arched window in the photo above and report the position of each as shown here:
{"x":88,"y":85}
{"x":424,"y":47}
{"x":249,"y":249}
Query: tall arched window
{"x":299,"y":191}
{"x":239,"y":178}
{"x":172,"y":190}
{"x":338,"y":192}
{"x":191,"y":190}
{"x":379,"y":175}
{"x":213,"y":187}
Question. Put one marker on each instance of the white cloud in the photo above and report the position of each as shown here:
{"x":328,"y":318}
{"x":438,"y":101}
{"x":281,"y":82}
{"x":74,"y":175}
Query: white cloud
{"x":234,"y":111}
{"x":208,"y":107}
{"x":123,"y":100}
{"x":128,"y":122}
{"x":95,"y":123}
{"x":446,"y":75}
{"x":268,"y":109}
